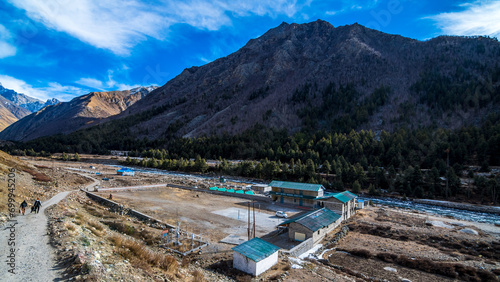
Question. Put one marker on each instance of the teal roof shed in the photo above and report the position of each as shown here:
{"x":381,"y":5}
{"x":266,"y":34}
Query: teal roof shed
{"x":296,"y":185}
{"x":315,"y":220}
{"x":256,"y":249}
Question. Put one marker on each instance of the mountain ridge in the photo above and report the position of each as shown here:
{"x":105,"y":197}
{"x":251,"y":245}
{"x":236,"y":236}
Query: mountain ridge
{"x":314,"y":76}
{"x":22,"y":100}
{"x":80,"y":112}
{"x":14,"y":106}
{"x":289,"y":56}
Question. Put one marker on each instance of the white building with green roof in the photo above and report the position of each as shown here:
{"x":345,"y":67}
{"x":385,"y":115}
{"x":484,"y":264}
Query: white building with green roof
{"x":314,"y":224}
{"x":255,"y":256}
{"x":313,"y":196}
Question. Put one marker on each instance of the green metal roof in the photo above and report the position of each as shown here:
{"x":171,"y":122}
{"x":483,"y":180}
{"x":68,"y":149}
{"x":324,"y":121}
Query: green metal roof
{"x":256,"y":249}
{"x":315,"y":220}
{"x":240,"y":192}
{"x":341,"y":197}
{"x":249,"y":193}
{"x":296,"y":185}
{"x":349,"y":195}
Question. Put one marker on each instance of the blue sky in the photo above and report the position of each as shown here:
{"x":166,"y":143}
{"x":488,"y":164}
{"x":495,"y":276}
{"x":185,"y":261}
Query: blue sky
{"x":66,"y":48}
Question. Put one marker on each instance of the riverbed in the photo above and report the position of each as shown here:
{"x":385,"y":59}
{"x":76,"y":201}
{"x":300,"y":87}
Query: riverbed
{"x":466,"y":215}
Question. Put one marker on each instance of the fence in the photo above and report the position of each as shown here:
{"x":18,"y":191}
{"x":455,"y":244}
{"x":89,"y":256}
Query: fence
{"x":117,"y":207}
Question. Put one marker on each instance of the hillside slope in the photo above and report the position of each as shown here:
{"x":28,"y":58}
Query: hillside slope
{"x":24,"y":101}
{"x":317,"y":76}
{"x":69,"y":116}
{"x":14,"y":106}
{"x":311,"y":77}
{"x":10,"y":113}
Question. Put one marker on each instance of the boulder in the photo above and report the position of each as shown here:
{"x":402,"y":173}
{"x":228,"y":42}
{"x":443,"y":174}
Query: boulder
{"x":390,"y":269}
{"x":469,"y":231}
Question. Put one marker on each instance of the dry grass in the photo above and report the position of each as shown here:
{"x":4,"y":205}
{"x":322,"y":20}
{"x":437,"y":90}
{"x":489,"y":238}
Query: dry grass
{"x":198,"y":276}
{"x":185,"y":262}
{"x":141,"y":256}
{"x":130,"y":230}
{"x":96,"y":225}
{"x":96,"y":228}
{"x":70,"y":226}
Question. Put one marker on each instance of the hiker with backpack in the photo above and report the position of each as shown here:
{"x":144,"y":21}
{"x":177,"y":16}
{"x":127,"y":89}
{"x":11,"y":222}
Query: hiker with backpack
{"x":23,"y":207}
{"x":37,"y":205}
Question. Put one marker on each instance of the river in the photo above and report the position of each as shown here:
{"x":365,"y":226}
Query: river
{"x":432,"y":209}
{"x":490,"y":218}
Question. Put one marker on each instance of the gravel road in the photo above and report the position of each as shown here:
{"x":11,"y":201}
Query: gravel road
{"x":33,"y":255}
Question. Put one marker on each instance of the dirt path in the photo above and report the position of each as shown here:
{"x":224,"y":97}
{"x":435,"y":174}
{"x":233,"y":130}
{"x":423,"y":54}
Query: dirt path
{"x":33,"y":256}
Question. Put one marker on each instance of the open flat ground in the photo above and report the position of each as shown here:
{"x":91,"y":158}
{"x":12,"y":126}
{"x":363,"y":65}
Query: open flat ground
{"x":211,"y":216}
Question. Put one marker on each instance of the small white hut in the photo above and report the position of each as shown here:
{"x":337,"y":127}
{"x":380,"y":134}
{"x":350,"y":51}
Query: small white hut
{"x":255,"y":256}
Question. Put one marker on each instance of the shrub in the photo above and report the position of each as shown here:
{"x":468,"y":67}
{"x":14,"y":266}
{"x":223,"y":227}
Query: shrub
{"x":185,"y":262}
{"x":361,"y":253}
{"x":139,"y":254}
{"x":70,"y":226}
{"x":387,"y":257}
{"x":198,"y":276}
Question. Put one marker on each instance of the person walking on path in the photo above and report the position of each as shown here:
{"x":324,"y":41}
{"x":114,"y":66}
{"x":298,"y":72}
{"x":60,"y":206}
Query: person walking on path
{"x":37,"y":205}
{"x":23,"y":206}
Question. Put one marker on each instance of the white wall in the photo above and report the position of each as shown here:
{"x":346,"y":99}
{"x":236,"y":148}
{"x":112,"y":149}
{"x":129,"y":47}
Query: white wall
{"x":266,"y":263}
{"x":247,"y":265}
{"x":243,"y":263}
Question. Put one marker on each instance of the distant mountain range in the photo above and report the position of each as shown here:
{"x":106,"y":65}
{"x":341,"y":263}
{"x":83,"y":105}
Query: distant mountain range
{"x":14,"y":106}
{"x":66,"y":117}
{"x":312,"y":77}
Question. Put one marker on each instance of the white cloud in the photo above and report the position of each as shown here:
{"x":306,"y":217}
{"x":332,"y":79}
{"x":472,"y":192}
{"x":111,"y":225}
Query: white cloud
{"x":109,"y":84}
{"x":120,"y":25}
{"x":345,"y":6}
{"x":90,"y":82}
{"x":6,"y":49}
{"x":478,"y":18}
{"x":52,"y":90}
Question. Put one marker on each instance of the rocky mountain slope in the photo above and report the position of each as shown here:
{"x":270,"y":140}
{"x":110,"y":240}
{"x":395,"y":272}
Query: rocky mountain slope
{"x":10,"y":113}
{"x":317,"y":76}
{"x":69,"y":116}
{"x":14,"y":106}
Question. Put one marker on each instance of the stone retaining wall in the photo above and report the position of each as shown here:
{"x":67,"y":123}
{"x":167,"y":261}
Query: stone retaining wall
{"x":116,"y":207}
{"x":300,"y":249}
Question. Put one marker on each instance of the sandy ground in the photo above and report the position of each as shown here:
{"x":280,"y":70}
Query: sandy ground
{"x":211,"y":216}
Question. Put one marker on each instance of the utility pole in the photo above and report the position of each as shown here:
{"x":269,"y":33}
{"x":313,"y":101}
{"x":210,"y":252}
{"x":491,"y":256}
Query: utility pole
{"x":253,"y":204}
{"x":447,"y":171}
{"x":248,"y":231}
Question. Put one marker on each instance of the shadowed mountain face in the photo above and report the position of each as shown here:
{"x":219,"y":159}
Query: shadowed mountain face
{"x":66,"y":117}
{"x":316,"y":76}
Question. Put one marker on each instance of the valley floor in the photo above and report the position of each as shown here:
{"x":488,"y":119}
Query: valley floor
{"x":93,"y":243}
